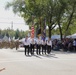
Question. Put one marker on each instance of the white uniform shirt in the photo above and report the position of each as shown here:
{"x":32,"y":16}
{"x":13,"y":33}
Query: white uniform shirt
{"x":38,"y":41}
{"x":43,"y":42}
{"x":32,"y":41}
{"x":26,"y":42}
{"x":49,"y":43}
{"x":74,"y":43}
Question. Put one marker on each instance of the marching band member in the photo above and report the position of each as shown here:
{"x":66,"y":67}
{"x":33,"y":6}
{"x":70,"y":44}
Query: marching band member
{"x":49,"y":45}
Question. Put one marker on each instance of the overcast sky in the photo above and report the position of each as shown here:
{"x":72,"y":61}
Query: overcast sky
{"x":8,"y":18}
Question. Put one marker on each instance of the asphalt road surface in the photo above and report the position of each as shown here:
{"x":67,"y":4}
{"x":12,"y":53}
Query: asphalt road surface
{"x":14,"y":62}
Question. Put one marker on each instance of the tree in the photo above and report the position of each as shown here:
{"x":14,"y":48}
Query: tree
{"x":35,"y":11}
{"x":17,"y":34}
{"x":60,"y":10}
{"x":71,"y":14}
{"x":50,"y":15}
{"x":59,"y":13}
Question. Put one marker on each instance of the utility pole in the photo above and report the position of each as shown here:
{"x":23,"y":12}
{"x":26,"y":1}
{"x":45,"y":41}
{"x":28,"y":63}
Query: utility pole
{"x":12,"y":25}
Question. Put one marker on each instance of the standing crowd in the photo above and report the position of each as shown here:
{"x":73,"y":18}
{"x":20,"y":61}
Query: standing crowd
{"x":67,"y":44}
{"x":40,"y":46}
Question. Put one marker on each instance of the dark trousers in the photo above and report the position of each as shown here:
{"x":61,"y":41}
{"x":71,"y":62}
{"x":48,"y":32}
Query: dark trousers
{"x":43,"y":49}
{"x":32,"y":48}
{"x":26,"y":49}
{"x":38,"y":49}
{"x":48,"y":49}
{"x":74,"y":48}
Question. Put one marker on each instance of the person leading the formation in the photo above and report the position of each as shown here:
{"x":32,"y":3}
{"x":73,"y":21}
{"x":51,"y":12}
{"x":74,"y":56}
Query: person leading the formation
{"x":26,"y":44}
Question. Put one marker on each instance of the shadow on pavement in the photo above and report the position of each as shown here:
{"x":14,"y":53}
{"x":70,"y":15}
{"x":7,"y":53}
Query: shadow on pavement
{"x":50,"y":55}
{"x":20,"y":50}
{"x":37,"y":56}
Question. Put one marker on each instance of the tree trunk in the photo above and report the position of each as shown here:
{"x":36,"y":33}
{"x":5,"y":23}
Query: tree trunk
{"x":49,"y":31}
{"x":61,"y":36}
{"x":70,"y":19}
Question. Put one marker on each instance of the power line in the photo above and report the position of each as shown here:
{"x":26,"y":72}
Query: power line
{"x":10,"y":23}
{"x":10,"y":18}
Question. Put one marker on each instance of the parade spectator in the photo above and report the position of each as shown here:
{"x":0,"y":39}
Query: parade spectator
{"x":74,"y":44}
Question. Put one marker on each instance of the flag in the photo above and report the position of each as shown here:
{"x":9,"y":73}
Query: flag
{"x":44,"y":30}
{"x":32,"y":31}
{"x":39,"y":32}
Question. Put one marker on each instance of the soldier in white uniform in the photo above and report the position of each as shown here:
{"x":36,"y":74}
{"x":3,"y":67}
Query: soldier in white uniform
{"x":44,"y":46}
{"x":38,"y":45}
{"x":26,"y":44}
{"x":32,"y":45}
{"x":49,"y":45}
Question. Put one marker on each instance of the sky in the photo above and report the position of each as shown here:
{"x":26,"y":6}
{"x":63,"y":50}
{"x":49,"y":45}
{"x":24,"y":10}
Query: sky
{"x":10,"y":20}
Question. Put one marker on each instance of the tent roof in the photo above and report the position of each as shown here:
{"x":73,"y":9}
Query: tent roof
{"x":55,"y":37}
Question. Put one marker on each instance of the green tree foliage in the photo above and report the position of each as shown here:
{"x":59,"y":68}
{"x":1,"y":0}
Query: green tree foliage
{"x":59,"y":13}
{"x":13,"y":33}
{"x":17,"y":34}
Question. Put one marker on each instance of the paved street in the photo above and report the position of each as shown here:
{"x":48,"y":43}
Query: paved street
{"x":57,"y":63}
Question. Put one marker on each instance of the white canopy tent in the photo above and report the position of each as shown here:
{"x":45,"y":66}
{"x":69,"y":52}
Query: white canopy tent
{"x":69,"y":36}
{"x":55,"y":37}
{"x":73,"y":35}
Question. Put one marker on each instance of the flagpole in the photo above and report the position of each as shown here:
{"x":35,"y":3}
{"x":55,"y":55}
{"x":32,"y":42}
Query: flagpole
{"x":32,"y":27}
